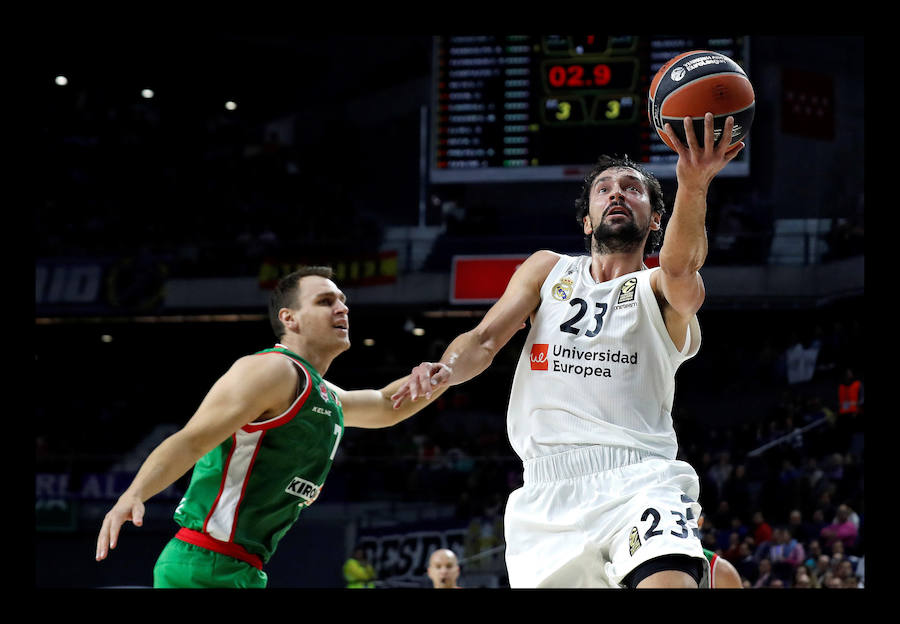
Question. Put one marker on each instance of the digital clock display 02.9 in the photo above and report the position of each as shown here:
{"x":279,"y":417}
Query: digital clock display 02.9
{"x":608,"y":75}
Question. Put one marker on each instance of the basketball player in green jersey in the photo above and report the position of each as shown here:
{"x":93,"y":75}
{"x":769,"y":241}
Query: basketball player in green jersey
{"x":722,"y":574}
{"x":261,"y":444}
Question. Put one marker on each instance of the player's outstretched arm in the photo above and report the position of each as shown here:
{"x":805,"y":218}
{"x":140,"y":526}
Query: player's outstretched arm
{"x":374,"y":409}
{"x":470,"y":353}
{"x":250,"y":388}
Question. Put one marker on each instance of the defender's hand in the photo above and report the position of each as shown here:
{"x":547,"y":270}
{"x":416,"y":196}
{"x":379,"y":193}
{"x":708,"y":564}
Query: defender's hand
{"x":126,"y":509}
{"x":423,"y":380}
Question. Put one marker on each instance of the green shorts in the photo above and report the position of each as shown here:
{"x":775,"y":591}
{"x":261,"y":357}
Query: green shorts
{"x":183,"y":565}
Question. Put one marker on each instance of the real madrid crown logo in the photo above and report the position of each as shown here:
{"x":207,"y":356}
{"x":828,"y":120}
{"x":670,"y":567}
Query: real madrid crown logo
{"x":562,"y":290}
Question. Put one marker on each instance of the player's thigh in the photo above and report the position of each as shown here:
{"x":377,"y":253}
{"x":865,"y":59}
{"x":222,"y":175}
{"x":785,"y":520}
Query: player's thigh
{"x":546,"y":545}
{"x":656,"y":522}
{"x":183,"y":565}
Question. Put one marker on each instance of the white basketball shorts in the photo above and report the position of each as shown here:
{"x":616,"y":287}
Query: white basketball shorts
{"x":588,"y":517}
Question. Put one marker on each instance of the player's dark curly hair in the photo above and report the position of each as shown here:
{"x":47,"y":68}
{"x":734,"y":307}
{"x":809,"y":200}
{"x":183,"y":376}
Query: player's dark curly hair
{"x":286,"y":291}
{"x":583,"y":202}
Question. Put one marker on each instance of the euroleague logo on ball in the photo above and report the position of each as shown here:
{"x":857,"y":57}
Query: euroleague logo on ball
{"x":694,"y":83}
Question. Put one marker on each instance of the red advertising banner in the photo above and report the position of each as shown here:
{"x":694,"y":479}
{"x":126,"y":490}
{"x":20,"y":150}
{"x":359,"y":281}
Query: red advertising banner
{"x":482,"y":279}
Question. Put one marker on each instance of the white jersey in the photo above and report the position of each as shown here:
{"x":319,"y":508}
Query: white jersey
{"x":598,"y":367}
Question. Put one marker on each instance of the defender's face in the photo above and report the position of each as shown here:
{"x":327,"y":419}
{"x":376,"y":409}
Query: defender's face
{"x":323,"y":313}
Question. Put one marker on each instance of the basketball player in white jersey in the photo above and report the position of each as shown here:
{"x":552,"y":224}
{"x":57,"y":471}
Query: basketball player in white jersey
{"x":604,"y":501}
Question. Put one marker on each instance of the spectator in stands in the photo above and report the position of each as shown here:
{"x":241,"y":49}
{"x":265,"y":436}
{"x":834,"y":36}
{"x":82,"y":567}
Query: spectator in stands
{"x":739,"y":527}
{"x":842,"y":529}
{"x":721,"y":521}
{"x":845,"y":571}
{"x":813,"y":552}
{"x":817,"y":522}
{"x":733,"y":552}
{"x":801,"y":578}
{"x":814,"y":579}
{"x":443,"y":569}
{"x":785,"y":553}
{"x":762,"y":530}
{"x":746,"y":564}
{"x":358,"y":571}
{"x":831,"y":581}
{"x":796,"y":552}
{"x":839,"y":553}
{"x":798,"y":528}
{"x":765,"y":574}
{"x":822,"y":568}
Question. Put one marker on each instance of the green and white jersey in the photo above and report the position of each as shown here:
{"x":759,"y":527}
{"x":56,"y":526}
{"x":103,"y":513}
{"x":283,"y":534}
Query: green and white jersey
{"x":713,"y":559}
{"x":247,"y":492}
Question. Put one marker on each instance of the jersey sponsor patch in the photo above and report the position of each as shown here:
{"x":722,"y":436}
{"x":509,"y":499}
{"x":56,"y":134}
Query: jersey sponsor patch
{"x":627,"y":291}
{"x":303,"y":489}
{"x":634,"y":541}
{"x":539,"y":359}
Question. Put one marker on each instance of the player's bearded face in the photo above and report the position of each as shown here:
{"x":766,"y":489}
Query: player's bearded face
{"x":620,"y":236}
{"x":620,"y":211}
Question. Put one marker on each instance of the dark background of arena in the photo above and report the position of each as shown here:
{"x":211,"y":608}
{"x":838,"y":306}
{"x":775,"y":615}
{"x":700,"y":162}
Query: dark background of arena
{"x":177,"y":198}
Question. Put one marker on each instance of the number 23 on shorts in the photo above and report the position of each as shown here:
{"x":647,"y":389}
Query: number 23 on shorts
{"x":656,"y":522}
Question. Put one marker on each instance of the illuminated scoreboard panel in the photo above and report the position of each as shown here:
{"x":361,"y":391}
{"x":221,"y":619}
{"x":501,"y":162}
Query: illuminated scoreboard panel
{"x":532,"y":108}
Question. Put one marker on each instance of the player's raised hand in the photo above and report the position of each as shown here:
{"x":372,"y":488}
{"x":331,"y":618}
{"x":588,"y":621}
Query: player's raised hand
{"x":700,"y":163}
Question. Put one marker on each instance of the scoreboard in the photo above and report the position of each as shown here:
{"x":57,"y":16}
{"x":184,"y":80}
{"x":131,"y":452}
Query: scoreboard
{"x":545,"y":107}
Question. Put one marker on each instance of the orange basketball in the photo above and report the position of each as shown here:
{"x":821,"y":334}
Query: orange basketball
{"x":699,"y":82}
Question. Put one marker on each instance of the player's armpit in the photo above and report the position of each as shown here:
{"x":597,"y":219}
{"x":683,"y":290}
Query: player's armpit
{"x":683,"y":293}
{"x":254,"y":386}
